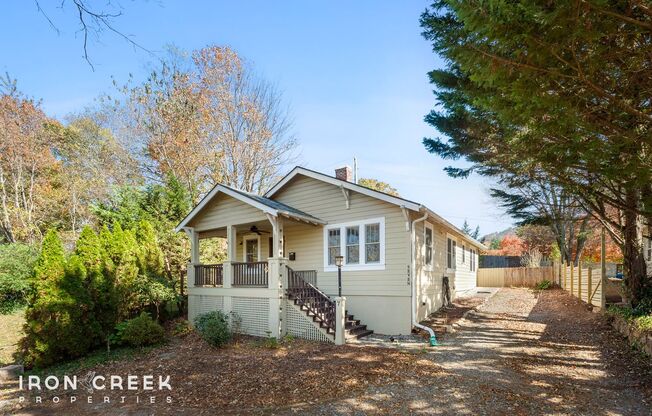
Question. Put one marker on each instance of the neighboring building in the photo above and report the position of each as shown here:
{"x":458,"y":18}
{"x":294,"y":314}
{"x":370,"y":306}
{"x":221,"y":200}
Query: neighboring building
{"x":281,"y":275}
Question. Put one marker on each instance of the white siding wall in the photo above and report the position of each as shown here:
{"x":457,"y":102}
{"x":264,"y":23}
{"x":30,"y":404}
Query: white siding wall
{"x":380,"y":298}
{"x":464,"y":278}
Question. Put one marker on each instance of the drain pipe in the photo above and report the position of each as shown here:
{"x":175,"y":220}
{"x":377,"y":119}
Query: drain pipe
{"x":413,"y":243}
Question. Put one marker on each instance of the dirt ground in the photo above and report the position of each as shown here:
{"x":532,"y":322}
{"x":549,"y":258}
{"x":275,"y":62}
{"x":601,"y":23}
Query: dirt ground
{"x":520,"y":353}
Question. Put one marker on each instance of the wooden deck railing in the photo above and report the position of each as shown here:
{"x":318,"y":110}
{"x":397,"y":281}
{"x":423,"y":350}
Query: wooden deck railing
{"x":309,"y":276}
{"x":309,"y":297}
{"x":208,"y":275}
{"x":250,"y":274}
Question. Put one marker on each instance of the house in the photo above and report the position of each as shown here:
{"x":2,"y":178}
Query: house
{"x":281,"y":275}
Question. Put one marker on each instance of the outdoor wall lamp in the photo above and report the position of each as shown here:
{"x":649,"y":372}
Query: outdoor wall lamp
{"x":339,"y":260}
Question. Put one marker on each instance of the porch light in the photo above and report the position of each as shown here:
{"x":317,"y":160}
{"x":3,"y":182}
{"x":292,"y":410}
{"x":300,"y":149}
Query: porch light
{"x":339,"y":260}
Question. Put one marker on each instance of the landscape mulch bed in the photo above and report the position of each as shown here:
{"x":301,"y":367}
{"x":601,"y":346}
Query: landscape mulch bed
{"x":248,"y":376}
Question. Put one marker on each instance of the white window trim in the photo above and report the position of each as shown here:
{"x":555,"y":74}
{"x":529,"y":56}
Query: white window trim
{"x":429,"y":267}
{"x":648,"y":249}
{"x":244,"y":245}
{"x":363,"y":258}
{"x":463,"y":253}
{"x":454,"y":249}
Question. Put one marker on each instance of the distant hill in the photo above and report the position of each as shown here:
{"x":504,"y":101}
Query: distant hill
{"x":497,"y":235}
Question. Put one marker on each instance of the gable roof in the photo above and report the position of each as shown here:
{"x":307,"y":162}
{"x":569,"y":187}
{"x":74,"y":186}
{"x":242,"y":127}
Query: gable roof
{"x":402,"y":202}
{"x":266,"y":205}
{"x":298,"y":170}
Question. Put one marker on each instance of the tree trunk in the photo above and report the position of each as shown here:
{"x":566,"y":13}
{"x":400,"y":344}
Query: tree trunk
{"x":636,"y":279}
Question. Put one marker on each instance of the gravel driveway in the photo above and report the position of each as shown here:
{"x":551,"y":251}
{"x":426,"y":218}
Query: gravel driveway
{"x":520,"y":354}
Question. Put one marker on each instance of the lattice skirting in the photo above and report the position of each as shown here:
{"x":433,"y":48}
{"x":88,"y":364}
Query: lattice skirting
{"x":253,"y":314}
{"x":301,"y":326}
{"x":198,"y":304}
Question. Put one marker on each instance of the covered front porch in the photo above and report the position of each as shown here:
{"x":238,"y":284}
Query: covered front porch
{"x":255,"y":283}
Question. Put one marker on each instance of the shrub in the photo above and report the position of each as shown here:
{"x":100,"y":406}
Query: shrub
{"x":214,"y":328}
{"x":16,"y":265}
{"x":644,"y":323}
{"x":544,"y":285}
{"x":139,"y":331}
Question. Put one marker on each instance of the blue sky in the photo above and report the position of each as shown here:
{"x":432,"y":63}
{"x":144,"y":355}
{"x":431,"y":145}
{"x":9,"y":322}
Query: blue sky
{"x":352,"y":73}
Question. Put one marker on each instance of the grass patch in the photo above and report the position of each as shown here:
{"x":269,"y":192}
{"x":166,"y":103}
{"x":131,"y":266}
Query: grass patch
{"x":93,"y":359}
{"x":11,"y":330}
{"x":644,"y":322}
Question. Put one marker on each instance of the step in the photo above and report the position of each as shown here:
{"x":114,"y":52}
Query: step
{"x":358,"y":334}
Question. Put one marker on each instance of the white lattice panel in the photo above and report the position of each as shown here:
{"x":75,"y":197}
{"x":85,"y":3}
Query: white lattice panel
{"x":198,"y":304}
{"x":253,"y":313}
{"x":301,"y":326}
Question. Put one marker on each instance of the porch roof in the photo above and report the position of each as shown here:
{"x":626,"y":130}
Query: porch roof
{"x":267,"y":205}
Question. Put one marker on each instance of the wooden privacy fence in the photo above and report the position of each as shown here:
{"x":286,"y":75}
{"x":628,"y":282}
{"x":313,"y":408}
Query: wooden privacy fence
{"x":515,"y":276}
{"x":583,"y":282}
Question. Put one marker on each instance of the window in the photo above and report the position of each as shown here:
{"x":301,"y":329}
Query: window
{"x":451,"y":248}
{"x":334,"y":248}
{"x":472,"y":259}
{"x":352,"y":245}
{"x":372,"y":243}
{"x":361,"y":242}
{"x":427,"y":237}
{"x":649,"y":249}
{"x":463,"y":254}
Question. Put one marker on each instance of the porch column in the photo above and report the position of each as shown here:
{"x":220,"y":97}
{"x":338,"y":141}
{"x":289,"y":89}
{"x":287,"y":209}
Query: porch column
{"x":277,"y":235}
{"x":194,"y":255}
{"x":231,"y":249}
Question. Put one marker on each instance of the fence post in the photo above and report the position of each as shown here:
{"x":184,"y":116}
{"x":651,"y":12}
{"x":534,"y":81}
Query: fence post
{"x":589,"y":294}
{"x":579,"y":280}
{"x":565,"y":275}
{"x":572,"y":277}
{"x":603,"y":271}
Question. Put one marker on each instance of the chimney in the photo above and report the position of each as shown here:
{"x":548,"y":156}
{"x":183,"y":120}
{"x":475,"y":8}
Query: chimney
{"x":344,"y":173}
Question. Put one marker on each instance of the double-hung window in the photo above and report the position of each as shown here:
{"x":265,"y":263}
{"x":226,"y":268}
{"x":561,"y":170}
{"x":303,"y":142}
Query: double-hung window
{"x":463,"y":254}
{"x":472,"y":259}
{"x":451,"y":247}
{"x":362,"y":243}
{"x":334,"y":246}
{"x":429,"y":247}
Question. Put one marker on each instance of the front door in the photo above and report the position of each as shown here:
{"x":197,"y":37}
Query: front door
{"x":251,"y":250}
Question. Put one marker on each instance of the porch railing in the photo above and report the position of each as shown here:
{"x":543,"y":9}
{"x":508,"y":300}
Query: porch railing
{"x":306,"y":295}
{"x":250,"y":274}
{"x":208,"y":275}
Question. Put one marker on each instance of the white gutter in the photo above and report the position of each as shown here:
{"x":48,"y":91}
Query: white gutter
{"x":413,"y":257}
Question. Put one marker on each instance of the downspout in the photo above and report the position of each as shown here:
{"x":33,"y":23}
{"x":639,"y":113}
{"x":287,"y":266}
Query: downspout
{"x":413,"y":243}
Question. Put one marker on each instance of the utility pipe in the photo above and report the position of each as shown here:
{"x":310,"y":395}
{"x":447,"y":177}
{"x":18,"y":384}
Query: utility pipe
{"x":413,"y":243}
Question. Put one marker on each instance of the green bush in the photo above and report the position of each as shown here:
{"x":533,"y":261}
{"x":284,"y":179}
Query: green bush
{"x":214,"y":328}
{"x":16,"y":265}
{"x":644,"y":323}
{"x":139,"y":332}
{"x":544,"y":285}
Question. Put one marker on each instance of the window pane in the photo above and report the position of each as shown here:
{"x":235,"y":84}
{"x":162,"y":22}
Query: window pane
{"x":332,"y":253}
{"x":373,"y":253}
{"x":353,"y":254}
{"x":334,"y":248}
{"x":352,"y":235}
{"x":334,"y":238}
{"x":372,"y":233}
{"x":428,"y":237}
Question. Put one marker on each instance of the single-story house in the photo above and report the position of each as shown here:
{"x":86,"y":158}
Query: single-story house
{"x":400,"y":260}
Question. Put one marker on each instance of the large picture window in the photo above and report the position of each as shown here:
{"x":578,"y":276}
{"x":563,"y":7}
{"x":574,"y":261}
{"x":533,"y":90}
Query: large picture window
{"x":362,"y":244}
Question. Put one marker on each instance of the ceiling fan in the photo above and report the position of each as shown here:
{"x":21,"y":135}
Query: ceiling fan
{"x":255,"y":229}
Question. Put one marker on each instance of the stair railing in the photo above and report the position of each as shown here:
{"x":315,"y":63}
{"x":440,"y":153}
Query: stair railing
{"x":314,"y":300}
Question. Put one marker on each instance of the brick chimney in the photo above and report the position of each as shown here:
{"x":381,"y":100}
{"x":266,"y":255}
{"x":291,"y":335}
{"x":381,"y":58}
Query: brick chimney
{"x":344,"y":173}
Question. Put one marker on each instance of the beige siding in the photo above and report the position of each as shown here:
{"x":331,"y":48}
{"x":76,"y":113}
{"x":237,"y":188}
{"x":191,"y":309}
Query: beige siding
{"x":365,"y":289}
{"x":224,"y":210}
{"x":430,"y":279}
